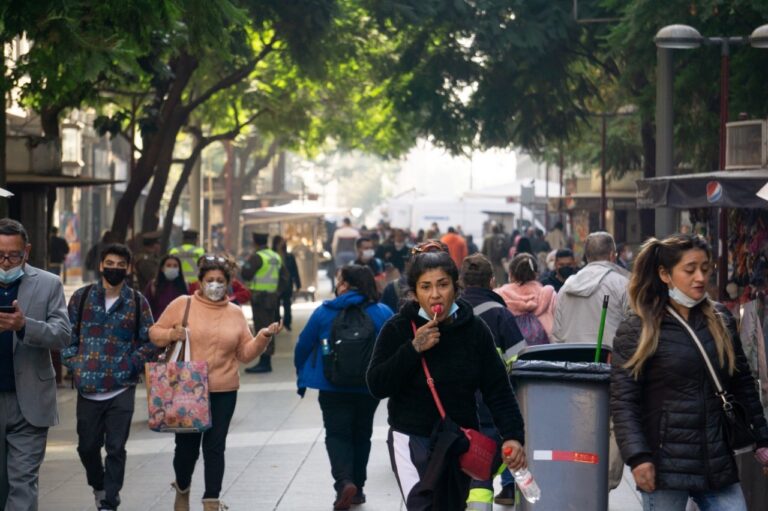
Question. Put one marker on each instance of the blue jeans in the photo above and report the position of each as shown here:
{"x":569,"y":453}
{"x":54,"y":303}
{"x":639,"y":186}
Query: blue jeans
{"x":730,"y":498}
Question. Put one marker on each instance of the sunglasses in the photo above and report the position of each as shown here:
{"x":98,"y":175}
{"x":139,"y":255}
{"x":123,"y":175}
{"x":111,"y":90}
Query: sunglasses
{"x":428,"y":246}
{"x":213,"y":259}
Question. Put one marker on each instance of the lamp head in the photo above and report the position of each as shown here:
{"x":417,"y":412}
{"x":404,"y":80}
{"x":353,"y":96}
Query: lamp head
{"x":678,"y":37}
{"x":759,"y":37}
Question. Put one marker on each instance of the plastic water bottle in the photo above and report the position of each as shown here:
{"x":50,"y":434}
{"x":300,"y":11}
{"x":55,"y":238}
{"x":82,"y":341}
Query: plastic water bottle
{"x":325,"y":347}
{"x":527,"y":484}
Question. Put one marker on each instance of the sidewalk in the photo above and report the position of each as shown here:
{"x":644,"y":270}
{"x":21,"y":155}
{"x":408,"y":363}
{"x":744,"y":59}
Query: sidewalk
{"x":276,"y":457}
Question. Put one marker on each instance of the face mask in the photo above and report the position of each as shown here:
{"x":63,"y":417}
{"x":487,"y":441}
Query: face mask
{"x":114,"y":276}
{"x":368,"y":254}
{"x":214,"y":291}
{"x":685,"y":300}
{"x":628,"y":257}
{"x":566,"y":271}
{"x":423,"y":313}
{"x":171,"y":273}
{"x":12,"y":275}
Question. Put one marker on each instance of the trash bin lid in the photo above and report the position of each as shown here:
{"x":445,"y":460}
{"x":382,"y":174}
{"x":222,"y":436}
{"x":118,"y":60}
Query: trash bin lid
{"x":560,"y":371}
{"x":564,"y":352}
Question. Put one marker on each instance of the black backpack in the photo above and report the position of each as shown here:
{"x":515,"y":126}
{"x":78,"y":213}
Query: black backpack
{"x":353,"y":335}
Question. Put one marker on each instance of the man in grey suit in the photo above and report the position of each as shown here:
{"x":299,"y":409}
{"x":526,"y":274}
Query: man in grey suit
{"x":33,"y":320}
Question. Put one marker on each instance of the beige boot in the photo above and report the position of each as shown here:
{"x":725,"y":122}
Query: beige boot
{"x":182,"y":498}
{"x":214,"y":505}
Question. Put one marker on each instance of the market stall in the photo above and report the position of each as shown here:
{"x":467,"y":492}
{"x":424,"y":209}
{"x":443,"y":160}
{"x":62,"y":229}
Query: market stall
{"x":303,"y":227}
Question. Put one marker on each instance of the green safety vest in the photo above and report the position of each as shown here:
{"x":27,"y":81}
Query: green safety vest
{"x":268,"y":276}
{"x":189,"y":254}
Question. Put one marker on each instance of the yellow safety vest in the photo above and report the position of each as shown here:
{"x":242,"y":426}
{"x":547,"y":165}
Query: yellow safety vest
{"x":268,"y":276}
{"x":189,"y":254}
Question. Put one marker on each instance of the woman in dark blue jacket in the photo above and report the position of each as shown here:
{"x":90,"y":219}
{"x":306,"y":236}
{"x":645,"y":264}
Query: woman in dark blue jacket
{"x":347,"y":411}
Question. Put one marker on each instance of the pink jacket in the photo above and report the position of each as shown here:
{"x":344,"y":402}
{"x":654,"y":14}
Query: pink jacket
{"x":531,"y":297}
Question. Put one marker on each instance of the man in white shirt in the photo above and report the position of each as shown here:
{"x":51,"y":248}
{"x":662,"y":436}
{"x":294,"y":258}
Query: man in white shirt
{"x":343,"y":244}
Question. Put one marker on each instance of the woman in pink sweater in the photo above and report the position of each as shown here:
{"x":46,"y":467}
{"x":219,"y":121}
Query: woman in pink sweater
{"x":524,"y":294}
{"x":219,"y":335}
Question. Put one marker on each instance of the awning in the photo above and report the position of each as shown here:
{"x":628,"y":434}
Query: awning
{"x":721,"y":189}
{"x":60,"y":181}
{"x":293,"y":211}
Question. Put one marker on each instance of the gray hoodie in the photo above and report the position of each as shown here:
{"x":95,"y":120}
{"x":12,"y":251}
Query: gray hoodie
{"x":580,"y":302}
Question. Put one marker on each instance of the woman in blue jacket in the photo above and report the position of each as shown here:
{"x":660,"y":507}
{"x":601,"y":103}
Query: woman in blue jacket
{"x":347,"y":410}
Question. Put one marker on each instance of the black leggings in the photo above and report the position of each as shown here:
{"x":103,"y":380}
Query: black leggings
{"x":214,"y":443}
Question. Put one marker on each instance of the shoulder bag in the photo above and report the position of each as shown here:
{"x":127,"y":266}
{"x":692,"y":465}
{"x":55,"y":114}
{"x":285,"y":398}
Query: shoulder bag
{"x":477,"y":461}
{"x":737,"y":428}
{"x":177,"y":389}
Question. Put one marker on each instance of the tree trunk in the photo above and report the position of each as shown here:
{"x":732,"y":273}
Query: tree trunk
{"x":157,"y":145}
{"x":186,"y":171}
{"x":151,"y":216}
{"x":229,"y":213}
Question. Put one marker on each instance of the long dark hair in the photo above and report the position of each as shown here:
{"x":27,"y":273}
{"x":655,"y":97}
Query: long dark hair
{"x":360,"y":278}
{"x":179,"y":283}
{"x":649,"y":296}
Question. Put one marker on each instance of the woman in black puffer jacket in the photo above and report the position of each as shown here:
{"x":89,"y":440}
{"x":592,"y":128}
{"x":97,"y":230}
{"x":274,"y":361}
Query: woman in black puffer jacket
{"x":462,"y":359}
{"x":667,"y":418}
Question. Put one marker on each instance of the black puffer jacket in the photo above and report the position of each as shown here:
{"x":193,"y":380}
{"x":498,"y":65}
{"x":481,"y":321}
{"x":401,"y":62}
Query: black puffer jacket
{"x":465,"y":360}
{"x":670,"y":416}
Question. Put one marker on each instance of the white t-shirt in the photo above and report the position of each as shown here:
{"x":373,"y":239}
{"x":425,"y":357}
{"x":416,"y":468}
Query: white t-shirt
{"x":103,"y":396}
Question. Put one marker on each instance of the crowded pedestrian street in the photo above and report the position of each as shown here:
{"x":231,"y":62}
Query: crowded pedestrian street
{"x":276,"y":457}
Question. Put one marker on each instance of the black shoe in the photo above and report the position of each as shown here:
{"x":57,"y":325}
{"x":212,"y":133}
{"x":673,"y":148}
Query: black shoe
{"x":506,"y":496}
{"x":345,"y":496}
{"x":264,"y":366}
{"x":359,"y":498}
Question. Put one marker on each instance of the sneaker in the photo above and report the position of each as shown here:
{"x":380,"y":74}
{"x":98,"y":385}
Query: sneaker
{"x":359,"y":497}
{"x":344,"y":497}
{"x":99,"y":495}
{"x":506,"y":496}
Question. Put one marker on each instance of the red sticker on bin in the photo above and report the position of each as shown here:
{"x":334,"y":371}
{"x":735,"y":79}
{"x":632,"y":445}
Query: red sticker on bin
{"x":572,"y":456}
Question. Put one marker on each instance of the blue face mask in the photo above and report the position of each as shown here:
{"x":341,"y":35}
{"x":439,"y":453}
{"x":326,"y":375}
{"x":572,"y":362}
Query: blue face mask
{"x":423,"y":313}
{"x":12,"y":275}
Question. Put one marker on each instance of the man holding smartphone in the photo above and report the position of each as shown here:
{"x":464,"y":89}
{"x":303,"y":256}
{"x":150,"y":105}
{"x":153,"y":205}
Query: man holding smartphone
{"x":33,"y":321}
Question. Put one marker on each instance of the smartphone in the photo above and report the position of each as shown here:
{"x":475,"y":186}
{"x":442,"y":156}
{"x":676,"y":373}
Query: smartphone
{"x":7,"y":309}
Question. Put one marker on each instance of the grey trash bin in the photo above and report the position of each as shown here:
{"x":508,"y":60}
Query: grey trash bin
{"x":564,"y":397}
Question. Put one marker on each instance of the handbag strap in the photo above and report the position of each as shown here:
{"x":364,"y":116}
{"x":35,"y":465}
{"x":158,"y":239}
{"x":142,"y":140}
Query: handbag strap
{"x":170,"y":354}
{"x":430,"y":380}
{"x":710,"y":368}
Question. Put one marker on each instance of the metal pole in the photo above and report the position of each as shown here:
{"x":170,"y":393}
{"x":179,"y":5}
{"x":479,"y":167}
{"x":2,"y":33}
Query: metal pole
{"x":560,"y":200}
{"x":546,"y":197}
{"x":722,"y":267}
{"x":603,"y":204}
{"x":665,"y":217}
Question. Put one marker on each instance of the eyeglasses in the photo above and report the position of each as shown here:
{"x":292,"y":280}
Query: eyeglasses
{"x":428,"y":246}
{"x":13,"y":257}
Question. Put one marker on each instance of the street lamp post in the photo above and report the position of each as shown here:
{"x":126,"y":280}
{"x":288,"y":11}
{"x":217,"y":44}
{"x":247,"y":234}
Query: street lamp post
{"x":684,"y":37}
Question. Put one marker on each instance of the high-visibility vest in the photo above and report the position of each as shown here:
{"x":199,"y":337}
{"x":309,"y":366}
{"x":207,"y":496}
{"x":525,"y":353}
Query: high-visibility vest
{"x":268,"y":276}
{"x":188,"y":254}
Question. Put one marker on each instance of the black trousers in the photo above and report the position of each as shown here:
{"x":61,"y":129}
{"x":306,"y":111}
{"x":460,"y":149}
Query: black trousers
{"x":265,"y":308}
{"x":105,"y":424}
{"x":348,"y":421}
{"x":214,"y":444}
{"x":286,"y":299}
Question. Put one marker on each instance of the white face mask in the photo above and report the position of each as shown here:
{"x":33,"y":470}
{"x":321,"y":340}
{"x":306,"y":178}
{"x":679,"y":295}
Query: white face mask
{"x":368,"y":254}
{"x":171,"y":273}
{"x":214,"y":291}
{"x":685,"y":300}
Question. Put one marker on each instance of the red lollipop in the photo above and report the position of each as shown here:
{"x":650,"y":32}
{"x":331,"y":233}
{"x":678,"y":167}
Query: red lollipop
{"x":437,"y":309}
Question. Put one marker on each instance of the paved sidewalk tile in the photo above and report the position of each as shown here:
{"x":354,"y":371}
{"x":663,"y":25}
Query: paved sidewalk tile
{"x":276,"y":458}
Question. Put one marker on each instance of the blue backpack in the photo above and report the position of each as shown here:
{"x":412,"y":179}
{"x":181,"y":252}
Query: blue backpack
{"x":532,"y":329}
